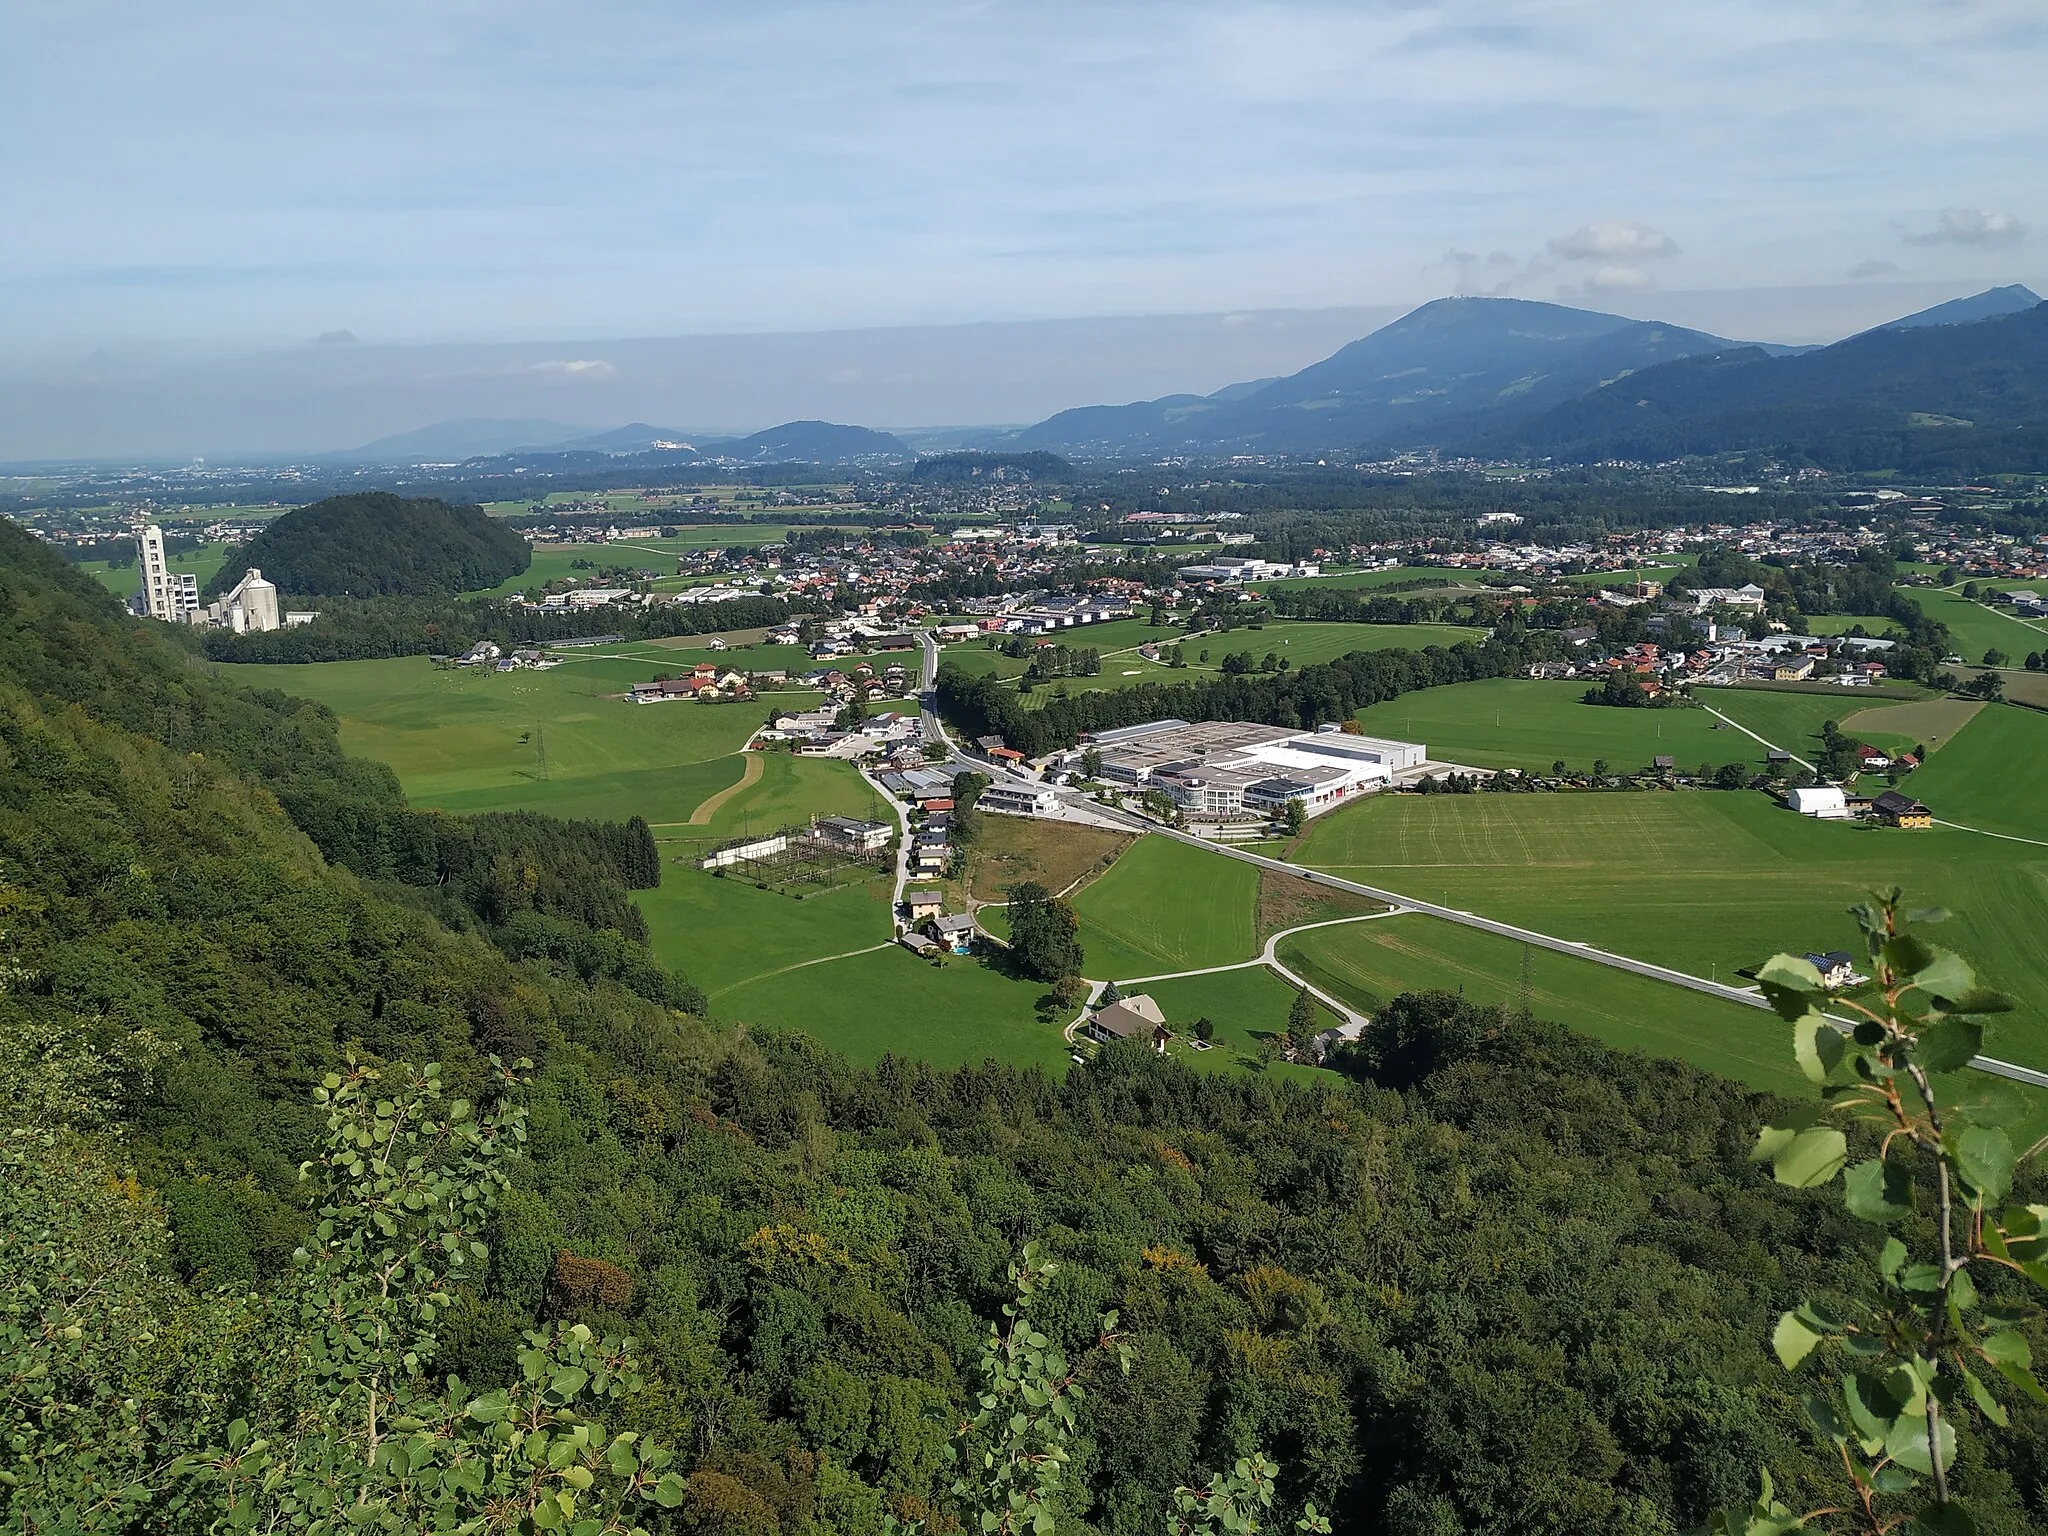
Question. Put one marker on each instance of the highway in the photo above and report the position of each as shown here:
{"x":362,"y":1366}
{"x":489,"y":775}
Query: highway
{"x":1071,"y":801}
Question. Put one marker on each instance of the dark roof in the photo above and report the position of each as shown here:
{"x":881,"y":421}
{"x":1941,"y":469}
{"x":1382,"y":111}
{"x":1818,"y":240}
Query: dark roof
{"x":1892,"y":803}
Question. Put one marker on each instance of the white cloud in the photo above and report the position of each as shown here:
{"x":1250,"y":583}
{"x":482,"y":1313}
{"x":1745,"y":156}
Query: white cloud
{"x":574,"y":368}
{"x":1618,"y":278}
{"x":1973,"y":226}
{"x":1614,"y":240}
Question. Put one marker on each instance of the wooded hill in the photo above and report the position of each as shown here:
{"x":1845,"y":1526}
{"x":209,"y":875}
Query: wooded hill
{"x":376,"y":544}
{"x":1504,"y":1281}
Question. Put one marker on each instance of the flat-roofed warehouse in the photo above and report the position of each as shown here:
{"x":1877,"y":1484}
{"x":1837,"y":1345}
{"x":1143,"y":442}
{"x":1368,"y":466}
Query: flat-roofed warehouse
{"x":1225,"y":768}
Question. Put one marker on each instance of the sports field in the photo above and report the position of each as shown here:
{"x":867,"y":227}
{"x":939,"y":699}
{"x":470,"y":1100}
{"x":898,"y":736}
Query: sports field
{"x":464,"y":739}
{"x":1365,"y":964}
{"x":1709,"y":882}
{"x":1521,"y":723}
{"x":1165,"y":907}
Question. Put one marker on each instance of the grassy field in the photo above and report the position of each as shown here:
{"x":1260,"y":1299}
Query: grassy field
{"x":1843,"y":623}
{"x":1165,"y":906}
{"x":891,"y":1003}
{"x":723,"y":933}
{"x":1245,"y":1006}
{"x":1993,"y":774}
{"x":1932,"y":722}
{"x":1520,"y":723}
{"x":1793,"y":720}
{"x":1708,"y":882}
{"x":1054,"y":853}
{"x":1974,"y":629}
{"x":469,"y":740}
{"x":1365,"y":964}
{"x":126,"y":580}
{"x":1361,"y":581}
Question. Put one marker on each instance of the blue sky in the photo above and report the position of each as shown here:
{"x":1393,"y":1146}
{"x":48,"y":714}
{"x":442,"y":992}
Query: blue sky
{"x":259,"y":173}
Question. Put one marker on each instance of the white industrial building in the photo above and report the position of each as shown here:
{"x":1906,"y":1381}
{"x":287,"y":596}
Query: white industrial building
{"x":1232,"y":570}
{"x":1822,"y":800}
{"x":173,"y":596}
{"x":1220,"y":769}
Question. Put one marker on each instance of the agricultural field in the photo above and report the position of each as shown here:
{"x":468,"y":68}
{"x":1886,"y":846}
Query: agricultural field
{"x":1848,"y":623}
{"x":1165,"y":907}
{"x":1993,"y":774}
{"x":1792,"y":720}
{"x":1619,"y":581}
{"x":1522,"y":723}
{"x":126,"y":580}
{"x":1974,"y":629}
{"x":1365,"y":964}
{"x":723,"y":933}
{"x":462,"y":739}
{"x":1710,"y":882}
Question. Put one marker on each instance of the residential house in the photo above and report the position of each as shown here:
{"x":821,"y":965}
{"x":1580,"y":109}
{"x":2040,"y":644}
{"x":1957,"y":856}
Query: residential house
{"x":1897,"y":810}
{"x":923,"y":905}
{"x":953,"y":931}
{"x":1837,"y":968}
{"x":1133,"y":1018}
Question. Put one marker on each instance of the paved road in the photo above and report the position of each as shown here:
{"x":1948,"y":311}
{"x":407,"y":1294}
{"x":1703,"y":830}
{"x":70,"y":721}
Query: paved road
{"x":1528,"y":936}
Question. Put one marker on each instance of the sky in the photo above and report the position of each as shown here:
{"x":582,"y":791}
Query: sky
{"x":231,"y":175}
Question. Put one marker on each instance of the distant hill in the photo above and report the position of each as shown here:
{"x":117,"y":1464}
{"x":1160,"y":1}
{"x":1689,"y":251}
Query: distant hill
{"x":635,"y":437}
{"x":964,"y":468}
{"x":376,"y":544}
{"x":1450,"y":360}
{"x":1858,"y":404}
{"x":464,"y":438}
{"x":2008,"y":300}
{"x":811,"y":442}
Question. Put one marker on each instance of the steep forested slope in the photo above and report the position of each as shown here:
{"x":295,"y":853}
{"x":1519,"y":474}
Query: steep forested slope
{"x":1519,"y":1283}
{"x":375,"y":544}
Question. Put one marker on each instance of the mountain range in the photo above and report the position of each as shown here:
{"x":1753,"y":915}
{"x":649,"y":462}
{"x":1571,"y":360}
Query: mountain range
{"x":1510,"y":377}
{"x":814,"y":442}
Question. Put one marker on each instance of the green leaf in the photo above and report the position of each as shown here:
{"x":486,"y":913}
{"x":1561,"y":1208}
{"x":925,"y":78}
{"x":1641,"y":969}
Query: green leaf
{"x":567,"y":1382}
{"x":1988,"y":1405}
{"x":2007,"y":1348}
{"x":1818,"y":1045}
{"x":1981,"y":1000}
{"x":1877,"y":1191}
{"x":1811,"y":1158}
{"x":1986,"y":1101}
{"x":1791,"y":984}
{"x":1984,"y":1156}
{"x":668,"y":1493}
{"x":1825,"y":1419}
{"x":1909,"y":954}
{"x":1947,"y":976}
{"x":1948,"y":1045}
{"x":1793,"y":1341}
{"x":487,"y":1409}
{"x":1907,"y":1443}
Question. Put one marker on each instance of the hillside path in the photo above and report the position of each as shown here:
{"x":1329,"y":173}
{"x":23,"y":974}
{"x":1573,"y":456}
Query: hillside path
{"x":1752,"y":735}
{"x":750,"y":775}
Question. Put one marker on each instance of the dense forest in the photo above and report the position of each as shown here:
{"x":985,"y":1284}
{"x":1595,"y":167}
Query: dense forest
{"x":376,"y":544}
{"x":1499,"y":1279}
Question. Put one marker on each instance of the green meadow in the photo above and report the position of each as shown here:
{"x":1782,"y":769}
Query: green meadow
{"x":1708,"y":882}
{"x":467,"y":739}
{"x":1246,"y":1007}
{"x":1366,"y":964}
{"x":1523,"y":723}
{"x":888,"y":1002}
{"x":1974,"y":629}
{"x":1993,"y":774}
{"x":1164,"y":906}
